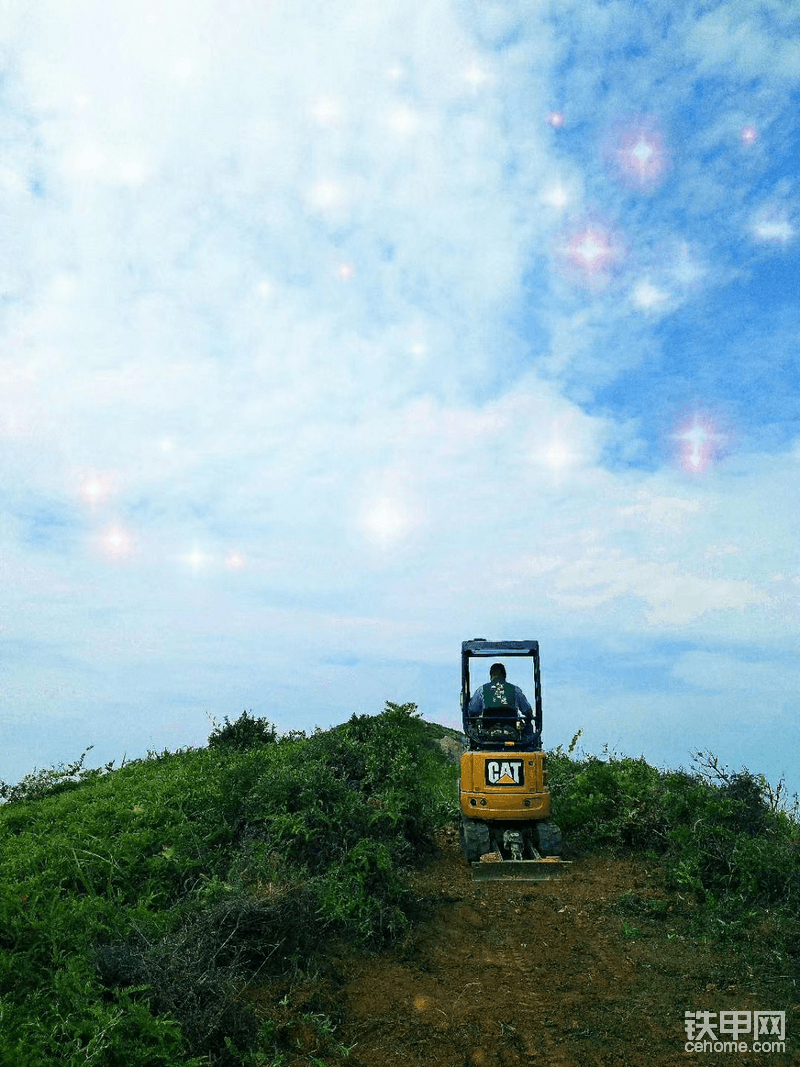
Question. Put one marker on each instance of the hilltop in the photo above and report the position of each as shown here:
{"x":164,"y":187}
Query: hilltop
{"x":279,"y":901}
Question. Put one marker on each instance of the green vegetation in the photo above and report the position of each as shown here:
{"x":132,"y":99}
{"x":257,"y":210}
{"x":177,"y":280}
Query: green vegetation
{"x":728,"y":843}
{"x":138,"y":905}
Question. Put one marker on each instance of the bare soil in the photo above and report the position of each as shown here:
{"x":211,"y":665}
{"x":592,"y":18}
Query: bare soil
{"x":510,"y":973}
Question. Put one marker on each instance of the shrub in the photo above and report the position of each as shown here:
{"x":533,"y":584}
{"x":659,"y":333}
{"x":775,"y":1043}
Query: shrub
{"x":607,"y":803}
{"x":195,"y":973}
{"x":245,"y":733}
{"x":50,"y":781}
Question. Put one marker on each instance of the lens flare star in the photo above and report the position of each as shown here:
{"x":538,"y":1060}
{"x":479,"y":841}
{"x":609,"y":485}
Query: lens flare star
{"x":638,"y":154}
{"x":699,"y":444}
{"x":591,"y":252}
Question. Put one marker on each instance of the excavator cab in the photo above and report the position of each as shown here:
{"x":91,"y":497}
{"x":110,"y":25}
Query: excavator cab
{"x":484,"y":732}
{"x":506,"y":830}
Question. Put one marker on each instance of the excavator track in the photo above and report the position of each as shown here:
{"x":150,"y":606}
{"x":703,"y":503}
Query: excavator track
{"x":488,"y":862}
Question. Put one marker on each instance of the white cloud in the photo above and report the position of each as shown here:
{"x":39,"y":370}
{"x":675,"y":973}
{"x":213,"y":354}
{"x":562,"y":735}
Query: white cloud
{"x":772,"y":223}
{"x":665,"y":513}
{"x":774,"y":230}
{"x":649,"y":297}
{"x":289,"y":358}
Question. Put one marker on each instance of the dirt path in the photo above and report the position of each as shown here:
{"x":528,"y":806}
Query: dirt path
{"x":507,"y":974}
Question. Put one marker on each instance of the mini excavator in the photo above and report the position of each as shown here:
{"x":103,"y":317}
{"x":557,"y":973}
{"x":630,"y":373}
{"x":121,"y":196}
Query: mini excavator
{"x":506,"y":830}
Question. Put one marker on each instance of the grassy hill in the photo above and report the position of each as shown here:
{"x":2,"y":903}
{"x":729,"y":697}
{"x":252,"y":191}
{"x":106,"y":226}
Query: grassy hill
{"x":139,"y":905}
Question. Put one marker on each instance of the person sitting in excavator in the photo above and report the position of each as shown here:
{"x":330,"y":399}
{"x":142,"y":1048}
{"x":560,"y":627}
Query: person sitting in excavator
{"x":500,"y":699}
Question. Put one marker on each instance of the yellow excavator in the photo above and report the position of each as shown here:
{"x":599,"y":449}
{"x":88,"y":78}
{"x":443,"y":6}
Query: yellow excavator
{"x":506,"y":830}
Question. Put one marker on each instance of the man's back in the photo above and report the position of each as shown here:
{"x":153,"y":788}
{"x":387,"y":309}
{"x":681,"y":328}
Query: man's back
{"x":499,"y":699}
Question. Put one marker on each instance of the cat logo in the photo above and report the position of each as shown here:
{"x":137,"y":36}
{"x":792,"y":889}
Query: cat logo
{"x":505,"y":772}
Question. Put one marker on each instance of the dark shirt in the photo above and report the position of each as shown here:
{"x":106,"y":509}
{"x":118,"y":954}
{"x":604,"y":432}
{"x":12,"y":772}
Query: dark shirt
{"x":524,"y":709}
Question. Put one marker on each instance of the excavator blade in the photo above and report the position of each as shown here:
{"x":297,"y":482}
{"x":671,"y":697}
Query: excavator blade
{"x":493,"y":867}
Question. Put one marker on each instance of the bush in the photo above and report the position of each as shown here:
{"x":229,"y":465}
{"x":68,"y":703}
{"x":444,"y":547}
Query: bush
{"x":606,"y":804}
{"x":50,"y":781}
{"x":245,"y":733}
{"x":726,"y":842}
{"x":195,"y":973}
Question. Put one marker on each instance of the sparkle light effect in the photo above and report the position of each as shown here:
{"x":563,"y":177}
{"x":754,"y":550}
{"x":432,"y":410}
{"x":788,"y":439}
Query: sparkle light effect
{"x":699,"y":441}
{"x":196,"y":558}
{"x":638,"y":153}
{"x":346,"y":271}
{"x":556,"y":196}
{"x":556,"y":119}
{"x":476,"y":77}
{"x":558,"y":456}
{"x":87,"y":160}
{"x":418,"y":346}
{"x":325,"y":195}
{"x":749,"y":135}
{"x":386,"y":521}
{"x":592,"y":251}
{"x":185,"y":69}
{"x":96,"y":487}
{"x":116,"y":543}
{"x":403,"y":121}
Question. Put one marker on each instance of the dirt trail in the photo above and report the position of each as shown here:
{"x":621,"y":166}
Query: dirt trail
{"x":507,"y":974}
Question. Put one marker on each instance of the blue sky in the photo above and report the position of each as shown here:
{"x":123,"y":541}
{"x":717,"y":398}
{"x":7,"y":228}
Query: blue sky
{"x":333,"y":335}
